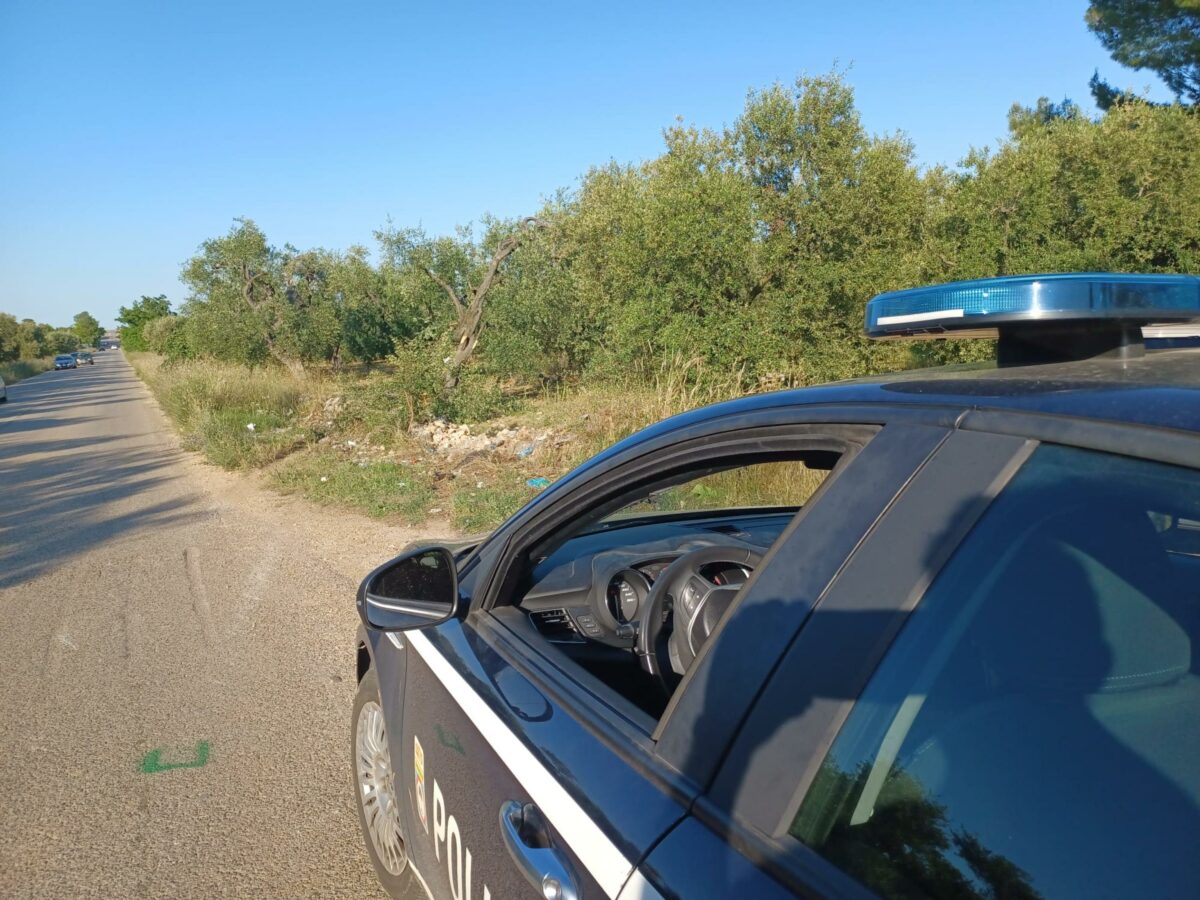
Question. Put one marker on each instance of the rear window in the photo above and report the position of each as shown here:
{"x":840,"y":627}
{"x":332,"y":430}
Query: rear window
{"x":1033,"y":730}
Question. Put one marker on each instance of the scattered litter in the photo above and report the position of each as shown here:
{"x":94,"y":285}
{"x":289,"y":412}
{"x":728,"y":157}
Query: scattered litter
{"x":538,"y":482}
{"x":351,"y":443}
{"x":250,"y":427}
{"x":435,"y":510}
{"x":478,"y":484}
{"x":324,"y":479}
{"x":526,"y":451}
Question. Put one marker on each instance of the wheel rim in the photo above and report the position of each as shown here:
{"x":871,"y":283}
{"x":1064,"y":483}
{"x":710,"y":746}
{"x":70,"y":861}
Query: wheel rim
{"x":377,"y":788}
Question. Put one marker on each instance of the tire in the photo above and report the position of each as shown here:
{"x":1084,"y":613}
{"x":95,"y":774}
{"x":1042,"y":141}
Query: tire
{"x":398,"y":880}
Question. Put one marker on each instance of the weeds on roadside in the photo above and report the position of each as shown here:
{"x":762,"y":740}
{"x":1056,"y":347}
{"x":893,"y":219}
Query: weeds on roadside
{"x":20,"y":369}
{"x":380,"y":488}
{"x":239,"y":418}
{"x":356,"y":451}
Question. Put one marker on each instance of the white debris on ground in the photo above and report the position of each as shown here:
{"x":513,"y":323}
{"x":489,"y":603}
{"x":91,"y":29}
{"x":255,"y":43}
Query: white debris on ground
{"x":457,"y":441}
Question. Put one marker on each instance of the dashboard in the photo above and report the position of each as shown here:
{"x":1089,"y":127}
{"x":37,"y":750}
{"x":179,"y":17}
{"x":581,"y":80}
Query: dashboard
{"x":592,"y":588}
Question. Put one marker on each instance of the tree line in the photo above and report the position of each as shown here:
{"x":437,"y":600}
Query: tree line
{"x":750,"y":250}
{"x":29,"y":339}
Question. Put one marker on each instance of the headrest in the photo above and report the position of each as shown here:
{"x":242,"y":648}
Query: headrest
{"x":1078,"y":607}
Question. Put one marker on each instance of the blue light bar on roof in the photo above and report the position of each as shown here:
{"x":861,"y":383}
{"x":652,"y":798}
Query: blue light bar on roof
{"x":988,"y":304}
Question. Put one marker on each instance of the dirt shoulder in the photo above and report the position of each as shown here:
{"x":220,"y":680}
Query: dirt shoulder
{"x":352,"y":542}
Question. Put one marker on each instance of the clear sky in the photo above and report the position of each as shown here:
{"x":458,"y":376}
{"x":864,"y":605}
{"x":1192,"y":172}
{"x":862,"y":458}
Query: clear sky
{"x":132,"y":131}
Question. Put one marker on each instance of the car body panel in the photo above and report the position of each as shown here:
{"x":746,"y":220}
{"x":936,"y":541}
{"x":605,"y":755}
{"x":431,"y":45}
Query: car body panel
{"x":470,"y":712}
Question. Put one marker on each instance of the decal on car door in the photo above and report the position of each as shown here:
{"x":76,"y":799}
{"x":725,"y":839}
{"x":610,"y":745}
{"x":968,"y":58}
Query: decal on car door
{"x":419,"y":777}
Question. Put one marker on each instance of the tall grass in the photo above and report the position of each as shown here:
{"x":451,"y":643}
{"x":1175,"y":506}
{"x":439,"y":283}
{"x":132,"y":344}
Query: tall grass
{"x":239,"y":418}
{"x":20,"y":369}
{"x":357,"y":452}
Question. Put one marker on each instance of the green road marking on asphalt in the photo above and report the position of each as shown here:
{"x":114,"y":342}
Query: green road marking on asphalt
{"x":151,"y":764}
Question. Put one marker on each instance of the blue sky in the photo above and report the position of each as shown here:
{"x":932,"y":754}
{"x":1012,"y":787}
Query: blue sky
{"x":130,"y":132}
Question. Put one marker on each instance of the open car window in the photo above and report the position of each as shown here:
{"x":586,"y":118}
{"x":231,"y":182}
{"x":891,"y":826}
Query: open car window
{"x":588,"y":589}
{"x":779,"y":483}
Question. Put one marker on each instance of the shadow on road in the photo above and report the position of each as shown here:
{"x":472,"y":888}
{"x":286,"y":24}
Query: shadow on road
{"x":80,"y":466}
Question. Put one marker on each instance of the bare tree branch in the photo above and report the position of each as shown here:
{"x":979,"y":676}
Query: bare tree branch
{"x":450,"y":292}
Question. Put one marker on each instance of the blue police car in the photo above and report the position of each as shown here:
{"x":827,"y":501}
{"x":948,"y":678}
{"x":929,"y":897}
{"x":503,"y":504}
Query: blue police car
{"x":930,"y":635}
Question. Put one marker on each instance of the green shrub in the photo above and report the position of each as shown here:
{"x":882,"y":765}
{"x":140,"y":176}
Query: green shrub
{"x":476,"y":398}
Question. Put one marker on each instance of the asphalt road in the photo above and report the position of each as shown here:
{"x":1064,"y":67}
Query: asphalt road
{"x":176,"y":666}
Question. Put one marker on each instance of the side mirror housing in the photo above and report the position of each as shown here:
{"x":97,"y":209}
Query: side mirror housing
{"x":416,"y":589}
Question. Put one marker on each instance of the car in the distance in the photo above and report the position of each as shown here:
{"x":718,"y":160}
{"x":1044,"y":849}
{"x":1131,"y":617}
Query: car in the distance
{"x":65,"y":361}
{"x":930,"y":634}
{"x":82,"y":357}
{"x":3,"y":392}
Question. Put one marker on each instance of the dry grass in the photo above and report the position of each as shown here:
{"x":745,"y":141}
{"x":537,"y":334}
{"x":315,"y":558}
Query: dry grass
{"x":239,"y":418}
{"x":356,"y":451}
{"x":20,"y":369}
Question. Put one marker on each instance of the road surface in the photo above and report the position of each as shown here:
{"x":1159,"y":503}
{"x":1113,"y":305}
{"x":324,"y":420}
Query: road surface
{"x":176,"y":666}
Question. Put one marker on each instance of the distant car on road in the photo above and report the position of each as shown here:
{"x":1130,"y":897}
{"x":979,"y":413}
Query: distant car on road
{"x":81,"y":358}
{"x":66,"y":361}
{"x":3,"y":392}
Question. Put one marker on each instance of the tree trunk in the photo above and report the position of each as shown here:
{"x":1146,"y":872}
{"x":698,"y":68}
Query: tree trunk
{"x":470,"y":308}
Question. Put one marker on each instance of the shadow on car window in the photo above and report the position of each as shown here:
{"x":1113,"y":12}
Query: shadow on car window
{"x":1031,"y":731}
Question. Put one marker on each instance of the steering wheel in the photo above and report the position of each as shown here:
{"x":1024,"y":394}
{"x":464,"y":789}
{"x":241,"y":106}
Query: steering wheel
{"x":697,"y":605}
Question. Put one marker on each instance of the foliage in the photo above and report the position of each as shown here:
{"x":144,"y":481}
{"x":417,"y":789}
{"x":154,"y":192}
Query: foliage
{"x":251,"y":302}
{"x":1073,"y":195}
{"x":215,"y":404}
{"x":62,"y":340}
{"x":736,"y":260}
{"x":30,"y":340}
{"x":10,"y":337}
{"x":1160,"y":35}
{"x":87,"y":329}
{"x":167,"y":335}
{"x":136,"y":315}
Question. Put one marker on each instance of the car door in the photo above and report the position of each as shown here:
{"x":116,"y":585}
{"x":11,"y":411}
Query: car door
{"x":991,"y":698}
{"x":521,"y":780}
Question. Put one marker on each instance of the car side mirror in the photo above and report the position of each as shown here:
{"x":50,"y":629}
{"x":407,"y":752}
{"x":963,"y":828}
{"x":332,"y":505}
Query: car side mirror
{"x":416,"y":589}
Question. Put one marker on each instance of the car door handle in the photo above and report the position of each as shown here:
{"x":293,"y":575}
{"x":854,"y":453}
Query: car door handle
{"x":528,"y":841}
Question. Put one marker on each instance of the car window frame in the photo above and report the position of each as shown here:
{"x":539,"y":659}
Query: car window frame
{"x":760,"y":829}
{"x":569,"y":686}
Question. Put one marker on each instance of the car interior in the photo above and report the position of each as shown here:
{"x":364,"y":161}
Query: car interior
{"x":635,"y":589}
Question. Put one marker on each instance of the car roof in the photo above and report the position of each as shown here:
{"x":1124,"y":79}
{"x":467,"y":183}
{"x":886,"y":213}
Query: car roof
{"x":1158,"y":389}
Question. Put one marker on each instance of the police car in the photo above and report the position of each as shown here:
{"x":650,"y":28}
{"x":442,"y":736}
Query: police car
{"x":935,"y":634}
